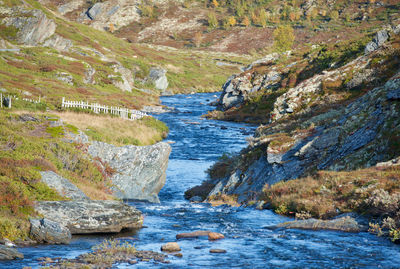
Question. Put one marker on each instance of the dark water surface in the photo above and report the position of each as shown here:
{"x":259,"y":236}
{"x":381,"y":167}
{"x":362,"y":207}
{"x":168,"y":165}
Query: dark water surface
{"x":198,"y":143}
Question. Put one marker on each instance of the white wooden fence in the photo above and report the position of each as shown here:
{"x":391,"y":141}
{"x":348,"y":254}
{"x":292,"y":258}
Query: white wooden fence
{"x":31,"y":100}
{"x":125,"y":113}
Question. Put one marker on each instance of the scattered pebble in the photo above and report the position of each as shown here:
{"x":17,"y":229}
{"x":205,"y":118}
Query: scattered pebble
{"x":179,"y":255}
{"x":217,"y":250}
{"x":171,"y":247}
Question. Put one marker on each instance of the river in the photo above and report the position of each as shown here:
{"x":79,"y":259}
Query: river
{"x":249,"y":243}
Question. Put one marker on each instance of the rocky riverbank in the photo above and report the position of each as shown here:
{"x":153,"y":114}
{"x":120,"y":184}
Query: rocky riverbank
{"x":315,"y":126}
{"x":67,"y":207}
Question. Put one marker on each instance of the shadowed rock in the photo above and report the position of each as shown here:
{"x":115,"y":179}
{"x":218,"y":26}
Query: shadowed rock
{"x":47,"y":231}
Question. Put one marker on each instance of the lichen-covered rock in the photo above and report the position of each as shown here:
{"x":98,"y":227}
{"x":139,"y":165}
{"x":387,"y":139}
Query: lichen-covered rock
{"x":381,"y":37}
{"x":58,"y":42}
{"x":237,"y":88}
{"x":89,"y":75}
{"x":88,"y":217}
{"x":140,"y":170}
{"x":65,"y":77}
{"x":47,"y":231}
{"x":354,"y":136}
{"x":116,"y":13}
{"x":7,"y":253}
{"x":158,"y":77}
{"x":62,"y":185}
{"x":345,"y":224}
{"x":70,"y":6}
{"x":33,"y":26}
{"x":127,"y":78}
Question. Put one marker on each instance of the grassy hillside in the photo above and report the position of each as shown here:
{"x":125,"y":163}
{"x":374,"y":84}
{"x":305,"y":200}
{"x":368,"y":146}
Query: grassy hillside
{"x":30,"y":145}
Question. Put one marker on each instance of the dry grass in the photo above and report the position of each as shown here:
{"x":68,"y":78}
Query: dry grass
{"x":95,"y":191}
{"x":327,"y":193}
{"x":223,"y":199}
{"x":115,"y":131}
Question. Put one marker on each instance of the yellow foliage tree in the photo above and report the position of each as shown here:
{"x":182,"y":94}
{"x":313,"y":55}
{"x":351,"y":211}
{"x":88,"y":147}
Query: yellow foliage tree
{"x":215,"y":3}
{"x":231,"y":21}
{"x":283,"y":38}
{"x":334,"y":15}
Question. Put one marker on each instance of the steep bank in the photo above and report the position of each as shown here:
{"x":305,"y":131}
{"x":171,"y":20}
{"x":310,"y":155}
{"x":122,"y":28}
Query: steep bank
{"x":46,"y":173}
{"x":333,"y":119}
{"x":346,"y":138}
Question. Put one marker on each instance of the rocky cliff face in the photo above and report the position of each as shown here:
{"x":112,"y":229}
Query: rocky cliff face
{"x":360,"y":134}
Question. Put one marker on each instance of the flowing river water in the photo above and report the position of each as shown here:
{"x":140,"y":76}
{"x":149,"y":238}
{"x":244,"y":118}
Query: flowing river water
{"x":249,"y":243}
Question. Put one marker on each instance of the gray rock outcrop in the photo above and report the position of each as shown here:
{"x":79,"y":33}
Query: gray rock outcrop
{"x":127,"y":82}
{"x":89,"y":217}
{"x":347,"y":138}
{"x":89,"y":75}
{"x":65,"y":77}
{"x":116,"y":13}
{"x":345,"y":224}
{"x":7,"y":253}
{"x":158,"y":77}
{"x":237,"y":88}
{"x":140,"y":170}
{"x":47,"y":231}
{"x":70,"y":6}
{"x":58,"y":42}
{"x":62,"y":185}
{"x":33,"y":26}
{"x":381,"y":37}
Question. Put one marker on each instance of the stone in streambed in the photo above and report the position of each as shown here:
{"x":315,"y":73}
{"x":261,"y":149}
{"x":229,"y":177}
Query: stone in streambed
{"x":47,"y":231}
{"x":192,"y":234}
{"x":7,"y":253}
{"x":217,"y":250}
{"x":171,"y":247}
{"x":215,"y":236}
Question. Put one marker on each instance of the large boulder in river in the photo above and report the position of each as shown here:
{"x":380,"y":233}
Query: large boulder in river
{"x":140,"y":170}
{"x":7,"y":253}
{"x":88,"y":217}
{"x":47,"y":231}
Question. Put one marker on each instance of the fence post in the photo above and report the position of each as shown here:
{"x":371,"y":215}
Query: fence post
{"x":1,"y":100}
{"x":9,"y":103}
